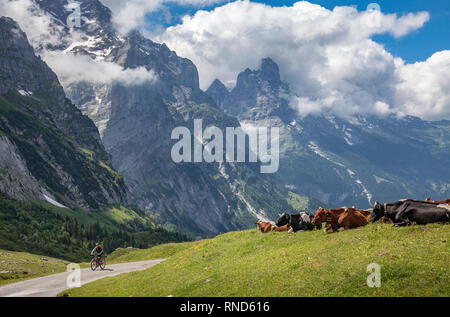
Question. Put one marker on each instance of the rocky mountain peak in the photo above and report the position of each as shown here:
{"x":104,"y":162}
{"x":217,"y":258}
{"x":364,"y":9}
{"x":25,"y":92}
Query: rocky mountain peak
{"x":13,"y":40}
{"x":81,"y":27}
{"x":9,"y":25}
{"x":270,"y":70}
{"x":101,"y":41}
{"x":218,"y":91}
{"x":93,"y":14}
{"x":266,"y":77}
{"x":256,"y":94}
{"x":139,"y":51}
{"x":135,"y":37}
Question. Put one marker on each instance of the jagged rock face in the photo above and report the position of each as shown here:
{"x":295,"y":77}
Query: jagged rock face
{"x":94,"y":101}
{"x":138,"y":51}
{"x":218,"y":92}
{"x":343,"y":162}
{"x":94,"y":24}
{"x":15,"y":179}
{"x":20,"y":69}
{"x":260,"y":98}
{"x":136,"y":122}
{"x":138,"y":138}
{"x":91,"y":10}
{"x":45,"y":137}
{"x":259,"y":94}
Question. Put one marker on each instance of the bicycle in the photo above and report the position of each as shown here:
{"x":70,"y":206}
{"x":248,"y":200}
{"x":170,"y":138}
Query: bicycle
{"x":97,"y":261}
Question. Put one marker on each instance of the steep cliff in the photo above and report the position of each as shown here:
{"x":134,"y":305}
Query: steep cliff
{"x":51,"y":150}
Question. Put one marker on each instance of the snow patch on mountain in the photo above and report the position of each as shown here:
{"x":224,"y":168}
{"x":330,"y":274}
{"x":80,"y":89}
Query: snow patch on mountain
{"x":25,"y":93}
{"x":54,"y":202}
{"x":365,"y":191}
{"x":261,"y":214}
{"x":317,"y":150}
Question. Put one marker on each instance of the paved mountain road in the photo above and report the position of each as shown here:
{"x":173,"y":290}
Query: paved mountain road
{"x":51,"y":285}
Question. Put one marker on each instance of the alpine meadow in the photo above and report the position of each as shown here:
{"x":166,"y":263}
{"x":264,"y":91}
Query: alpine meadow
{"x":225,"y":156}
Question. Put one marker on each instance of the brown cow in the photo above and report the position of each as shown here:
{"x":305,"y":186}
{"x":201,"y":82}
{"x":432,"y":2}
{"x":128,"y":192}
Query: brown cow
{"x":282,"y":228}
{"x":445,"y":202}
{"x":366,"y":213}
{"x":265,"y":227}
{"x":345,"y":218}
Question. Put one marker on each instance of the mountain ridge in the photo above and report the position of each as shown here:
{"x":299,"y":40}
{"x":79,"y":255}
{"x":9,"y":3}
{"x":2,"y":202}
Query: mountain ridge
{"x":136,"y":121}
{"x":347,"y":168}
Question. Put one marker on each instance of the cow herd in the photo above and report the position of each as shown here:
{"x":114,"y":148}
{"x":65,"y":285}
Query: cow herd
{"x":401,"y":213}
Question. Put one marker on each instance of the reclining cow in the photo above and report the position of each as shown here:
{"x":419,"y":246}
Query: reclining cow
{"x":284,"y":228}
{"x":300,"y":222}
{"x":407,"y":212}
{"x":265,"y":227}
{"x":447,"y":201}
{"x":340,"y":219}
{"x":366,"y":213}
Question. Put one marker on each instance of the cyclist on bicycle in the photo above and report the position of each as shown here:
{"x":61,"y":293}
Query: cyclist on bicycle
{"x":98,"y":250}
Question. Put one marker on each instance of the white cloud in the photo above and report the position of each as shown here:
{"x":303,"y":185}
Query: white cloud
{"x":42,"y":30}
{"x":37,"y":25}
{"x":77,"y":68}
{"x":424,"y":88}
{"x":327,"y":56}
{"x":128,"y":15}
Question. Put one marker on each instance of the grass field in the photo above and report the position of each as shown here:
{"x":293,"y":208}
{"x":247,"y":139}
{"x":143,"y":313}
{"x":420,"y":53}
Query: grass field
{"x":415,"y":261}
{"x":18,"y":266}
{"x":162,"y":251}
{"x":109,"y":217}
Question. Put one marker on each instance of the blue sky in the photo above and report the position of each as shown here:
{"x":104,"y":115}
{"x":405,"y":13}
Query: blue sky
{"x":417,"y":46}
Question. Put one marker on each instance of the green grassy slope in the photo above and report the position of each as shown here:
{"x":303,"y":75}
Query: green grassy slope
{"x":415,"y":261}
{"x":18,"y":266}
{"x":112,"y":218}
{"x":158,"y":252}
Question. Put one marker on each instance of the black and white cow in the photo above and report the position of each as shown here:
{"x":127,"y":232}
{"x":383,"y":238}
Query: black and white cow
{"x":406,"y":212}
{"x":299,"y":222}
